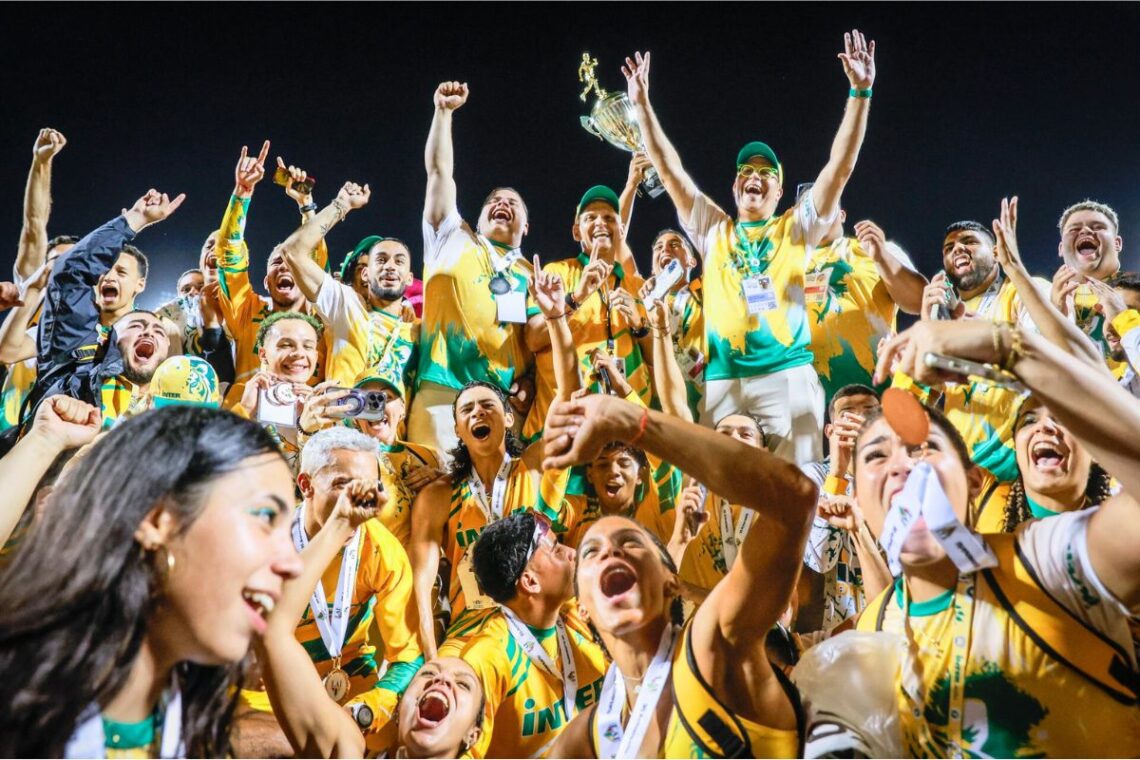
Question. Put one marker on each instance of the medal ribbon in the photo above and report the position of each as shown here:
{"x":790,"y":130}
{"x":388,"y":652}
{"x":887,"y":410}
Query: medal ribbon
{"x":493,"y":510}
{"x":89,"y":740}
{"x":332,"y":631}
{"x":616,"y":740}
{"x":732,"y":536}
{"x":569,"y":675}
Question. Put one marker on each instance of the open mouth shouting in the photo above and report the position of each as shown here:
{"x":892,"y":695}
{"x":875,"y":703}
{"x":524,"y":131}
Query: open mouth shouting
{"x":753,"y":189}
{"x":613,"y":487}
{"x":434,"y":706}
{"x":481,"y":430}
{"x":109,"y":293}
{"x":285,"y":282}
{"x":616,"y":581}
{"x":1087,"y":248}
{"x":1049,"y":456}
{"x":259,"y":604}
{"x":502,"y":214}
{"x":144,"y":349}
{"x":961,"y":263}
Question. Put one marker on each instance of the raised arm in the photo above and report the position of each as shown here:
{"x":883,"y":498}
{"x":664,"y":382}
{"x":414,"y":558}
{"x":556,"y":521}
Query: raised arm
{"x":15,"y":343}
{"x":62,"y":423}
{"x":237,"y":300}
{"x":298,"y":246}
{"x":1092,"y":405}
{"x":439,"y":153}
{"x":549,"y":293}
{"x":315,"y":725}
{"x":904,"y":285}
{"x":37,"y":203}
{"x":667,"y":376}
{"x":662,"y":154}
{"x":429,"y":521}
{"x":859,"y":65}
{"x":1054,"y":325}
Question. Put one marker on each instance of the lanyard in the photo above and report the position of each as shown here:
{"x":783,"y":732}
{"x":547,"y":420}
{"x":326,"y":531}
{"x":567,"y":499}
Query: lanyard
{"x":989,"y":297}
{"x":747,"y":256}
{"x":732,"y":536}
{"x":89,"y":739}
{"x":914,"y":690}
{"x":616,"y":740}
{"x":500,"y":263}
{"x":393,"y":334}
{"x":492,"y":510}
{"x":534,"y":650}
{"x":332,"y":631}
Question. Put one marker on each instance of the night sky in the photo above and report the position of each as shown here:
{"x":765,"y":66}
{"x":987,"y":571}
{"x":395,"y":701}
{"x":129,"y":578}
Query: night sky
{"x":971,"y":102}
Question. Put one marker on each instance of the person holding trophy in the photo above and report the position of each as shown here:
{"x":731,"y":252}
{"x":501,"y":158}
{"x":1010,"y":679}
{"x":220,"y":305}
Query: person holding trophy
{"x":759,"y":360}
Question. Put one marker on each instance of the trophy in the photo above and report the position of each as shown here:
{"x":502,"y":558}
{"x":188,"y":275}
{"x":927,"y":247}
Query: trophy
{"x":612,"y":118}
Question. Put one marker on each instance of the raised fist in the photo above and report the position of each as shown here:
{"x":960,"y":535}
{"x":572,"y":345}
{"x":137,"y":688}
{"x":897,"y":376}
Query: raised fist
{"x":449,"y":96}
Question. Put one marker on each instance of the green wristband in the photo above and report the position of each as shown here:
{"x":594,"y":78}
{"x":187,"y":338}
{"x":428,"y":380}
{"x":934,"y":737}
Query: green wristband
{"x":854,"y":93}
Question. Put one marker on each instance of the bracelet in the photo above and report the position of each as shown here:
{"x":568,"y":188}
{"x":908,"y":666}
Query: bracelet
{"x":554,"y":318}
{"x":639,"y":333}
{"x":571,"y":304}
{"x":304,"y":432}
{"x":856,"y":93}
{"x":308,"y":208}
{"x":341,"y":208}
{"x":641,"y":427}
{"x":995,"y":336}
{"x":835,"y":485}
{"x":1014,"y":350}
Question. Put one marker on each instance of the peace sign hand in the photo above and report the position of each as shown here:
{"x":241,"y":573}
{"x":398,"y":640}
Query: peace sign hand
{"x":858,"y":60}
{"x":249,"y":171}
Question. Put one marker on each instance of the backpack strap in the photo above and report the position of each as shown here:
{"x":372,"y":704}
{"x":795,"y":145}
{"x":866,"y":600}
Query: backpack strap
{"x":1052,"y":627}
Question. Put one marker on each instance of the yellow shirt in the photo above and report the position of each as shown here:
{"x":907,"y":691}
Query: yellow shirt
{"x":742,"y":344}
{"x":364,"y":338}
{"x":397,"y":461}
{"x":466,"y":521}
{"x":1019,"y":699}
{"x":17,"y":385}
{"x":704,"y":563}
{"x":701,"y":726}
{"x":1091,"y":322}
{"x":850,"y":312}
{"x":461,"y":338}
{"x":690,"y":343}
{"x":242,"y":309}
{"x":653,"y":503}
{"x":525,"y":712}
{"x":592,"y":326}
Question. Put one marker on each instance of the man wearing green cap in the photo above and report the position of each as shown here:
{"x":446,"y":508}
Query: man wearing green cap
{"x":475,"y":287}
{"x":378,"y":334}
{"x":354,"y":268}
{"x":600,"y":307}
{"x":759,"y":360}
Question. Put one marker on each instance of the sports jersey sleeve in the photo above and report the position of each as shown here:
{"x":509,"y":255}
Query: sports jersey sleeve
{"x":810,"y":225}
{"x":340,"y":308}
{"x":395,"y":613}
{"x":436,"y":237}
{"x":704,"y":216}
{"x":1056,"y":549}
{"x":551,"y":500}
{"x":1127,"y":326}
{"x":487,"y":657}
{"x":1044,"y":289}
{"x":238,"y":302}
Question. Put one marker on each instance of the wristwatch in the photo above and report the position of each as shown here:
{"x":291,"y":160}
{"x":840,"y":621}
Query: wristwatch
{"x":571,"y":304}
{"x":362,"y":714}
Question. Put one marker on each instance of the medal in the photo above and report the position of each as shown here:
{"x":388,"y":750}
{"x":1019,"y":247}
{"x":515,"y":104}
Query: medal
{"x":336,"y":682}
{"x":500,"y":285}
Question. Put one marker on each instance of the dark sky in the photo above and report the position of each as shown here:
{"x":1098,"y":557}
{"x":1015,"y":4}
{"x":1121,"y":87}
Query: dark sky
{"x":971,"y":102}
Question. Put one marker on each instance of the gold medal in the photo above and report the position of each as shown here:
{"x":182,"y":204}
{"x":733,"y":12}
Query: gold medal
{"x":337,"y":682}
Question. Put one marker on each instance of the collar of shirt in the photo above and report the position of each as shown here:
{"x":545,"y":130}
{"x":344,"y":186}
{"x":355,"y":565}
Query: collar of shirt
{"x":619,"y":273}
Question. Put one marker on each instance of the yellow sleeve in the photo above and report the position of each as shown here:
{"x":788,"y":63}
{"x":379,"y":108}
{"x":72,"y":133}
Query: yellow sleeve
{"x":1126,"y":321}
{"x":395,"y":609}
{"x":238,"y":301}
{"x":551,"y":500}
{"x":487,"y":656}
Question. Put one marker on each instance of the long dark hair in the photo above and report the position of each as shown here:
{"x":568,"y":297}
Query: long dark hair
{"x":460,"y":468}
{"x":76,"y":601}
{"x":1097,"y":489}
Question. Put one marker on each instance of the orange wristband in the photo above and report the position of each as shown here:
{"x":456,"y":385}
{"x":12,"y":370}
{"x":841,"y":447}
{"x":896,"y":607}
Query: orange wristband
{"x":641,"y":427}
{"x":835,"y":486}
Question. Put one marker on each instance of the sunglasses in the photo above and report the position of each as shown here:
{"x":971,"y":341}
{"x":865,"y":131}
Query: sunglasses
{"x":748,"y":170}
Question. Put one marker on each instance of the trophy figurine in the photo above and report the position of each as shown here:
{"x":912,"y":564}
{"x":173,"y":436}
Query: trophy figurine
{"x":612,"y":118}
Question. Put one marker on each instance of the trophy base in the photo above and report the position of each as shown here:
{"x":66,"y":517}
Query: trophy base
{"x":651,"y":185}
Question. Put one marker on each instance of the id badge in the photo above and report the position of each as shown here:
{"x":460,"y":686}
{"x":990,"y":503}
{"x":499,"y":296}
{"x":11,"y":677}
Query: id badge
{"x":815,"y":286}
{"x":692,"y":364}
{"x":473,"y":596}
{"x":758,"y":294}
{"x":511,"y":307}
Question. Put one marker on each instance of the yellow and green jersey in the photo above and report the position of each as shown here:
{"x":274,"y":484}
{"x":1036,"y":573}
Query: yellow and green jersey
{"x":654,"y":502}
{"x":525,"y":711}
{"x":1091,"y":322}
{"x":396,"y":462}
{"x":850,"y":312}
{"x":700,"y":725}
{"x":461,"y":337}
{"x":770,"y":257}
{"x":542,"y":491}
{"x":704,"y":563}
{"x":365,"y":339}
{"x":17,"y":385}
{"x":690,"y":343}
{"x":1019,"y":689}
{"x":981,"y":411}
{"x":593,"y":325}
{"x":243,"y":310}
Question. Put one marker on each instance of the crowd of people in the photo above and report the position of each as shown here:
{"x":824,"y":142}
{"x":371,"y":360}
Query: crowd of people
{"x":565,"y":508}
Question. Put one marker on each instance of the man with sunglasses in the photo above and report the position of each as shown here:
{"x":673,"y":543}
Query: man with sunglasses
{"x":536,"y":658}
{"x":759,"y":359}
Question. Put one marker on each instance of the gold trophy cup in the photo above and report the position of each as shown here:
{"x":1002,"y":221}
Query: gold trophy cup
{"x":613,"y":119}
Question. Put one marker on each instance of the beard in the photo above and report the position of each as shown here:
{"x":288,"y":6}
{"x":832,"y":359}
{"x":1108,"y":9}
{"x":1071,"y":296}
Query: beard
{"x":386,"y":294}
{"x":972,"y":279}
{"x":138,"y":376}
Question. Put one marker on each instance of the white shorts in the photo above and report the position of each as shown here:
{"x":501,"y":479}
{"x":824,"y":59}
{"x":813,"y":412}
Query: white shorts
{"x":431,"y":421}
{"x":788,"y":403}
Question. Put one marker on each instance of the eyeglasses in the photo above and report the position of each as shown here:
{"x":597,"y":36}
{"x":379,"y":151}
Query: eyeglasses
{"x":765,"y":172}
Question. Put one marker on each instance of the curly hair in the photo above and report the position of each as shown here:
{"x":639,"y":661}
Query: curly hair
{"x":280,"y":316}
{"x":500,"y":555}
{"x":1097,"y":488}
{"x":460,"y":468}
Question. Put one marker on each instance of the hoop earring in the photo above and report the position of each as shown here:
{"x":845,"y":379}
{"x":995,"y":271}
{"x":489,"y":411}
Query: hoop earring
{"x":164,"y":567}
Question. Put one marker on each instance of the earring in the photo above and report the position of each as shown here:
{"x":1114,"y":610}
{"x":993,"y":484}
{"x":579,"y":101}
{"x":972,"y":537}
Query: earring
{"x":164,"y":567}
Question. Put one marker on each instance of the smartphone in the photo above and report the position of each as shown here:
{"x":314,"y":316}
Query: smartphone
{"x":973,"y":369}
{"x":668,"y":277}
{"x":281,"y":177}
{"x":277,"y":405}
{"x":360,"y":405}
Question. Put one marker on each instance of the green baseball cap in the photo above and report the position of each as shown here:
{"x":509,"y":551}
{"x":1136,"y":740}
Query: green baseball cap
{"x":757,"y":148}
{"x":378,"y":375}
{"x":364,"y":246}
{"x":599,"y":193}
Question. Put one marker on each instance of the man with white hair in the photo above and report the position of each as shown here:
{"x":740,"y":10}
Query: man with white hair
{"x":370,"y":577}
